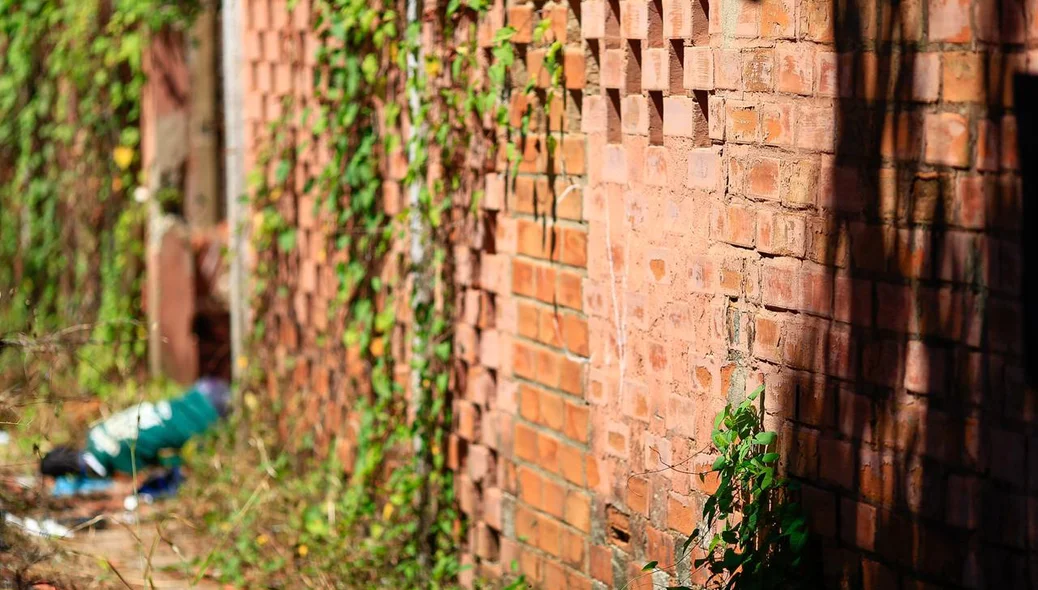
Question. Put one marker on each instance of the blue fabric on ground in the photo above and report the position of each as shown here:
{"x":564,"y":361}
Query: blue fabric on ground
{"x":162,"y":486}
{"x":77,"y":485}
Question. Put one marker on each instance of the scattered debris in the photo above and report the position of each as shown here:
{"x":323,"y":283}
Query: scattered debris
{"x":79,"y":486}
{"x":45,"y":528}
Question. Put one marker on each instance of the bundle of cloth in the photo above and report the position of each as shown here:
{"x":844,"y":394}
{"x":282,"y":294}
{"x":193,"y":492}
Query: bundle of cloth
{"x":144,"y":439}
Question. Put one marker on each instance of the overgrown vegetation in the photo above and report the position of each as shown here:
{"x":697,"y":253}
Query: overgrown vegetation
{"x":71,"y":77}
{"x":753,"y":531}
{"x":71,"y":233}
{"x":391,"y":520}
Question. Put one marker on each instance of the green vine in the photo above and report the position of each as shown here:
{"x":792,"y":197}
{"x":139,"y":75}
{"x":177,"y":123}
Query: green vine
{"x":377,"y":80}
{"x":71,"y":79}
{"x":754,"y":533}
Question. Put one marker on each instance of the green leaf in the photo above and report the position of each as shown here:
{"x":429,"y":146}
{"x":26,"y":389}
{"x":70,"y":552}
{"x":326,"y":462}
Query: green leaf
{"x":765,"y":438}
{"x":287,"y":240}
{"x":650,"y":566}
{"x":282,"y":171}
{"x":769,"y":457}
{"x":756,"y":392}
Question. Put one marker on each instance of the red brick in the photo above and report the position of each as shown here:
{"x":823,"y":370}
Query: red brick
{"x":777,"y":123}
{"x":739,"y":226}
{"x":525,"y":442}
{"x":544,"y":279}
{"x":682,"y":514}
{"x":704,"y":169}
{"x":821,"y":511}
{"x":778,"y":19}
{"x":780,"y":233}
{"x":634,"y":19}
{"x":758,"y":70}
{"x":468,"y":420}
{"x":781,"y":284}
{"x":553,"y":498}
{"x":826,"y":72}
{"x":837,"y":462}
{"x":635,"y":114}
{"x":747,"y":21}
{"x":574,"y":550}
{"x":638,"y":495}
{"x":947,"y":139}
{"x":728,"y":69}
{"x":767,"y":338}
{"x":859,"y":522}
{"x":762,"y":178}
{"x":817,"y":20}
{"x":926,"y":78}
{"x":963,"y":79}
{"x":576,"y":427}
{"x":530,"y":487}
{"x":817,"y":289}
{"x":571,"y":464}
{"x":950,"y":21}
{"x":795,"y":68}
{"x":815,"y":128}
{"x":800,"y":182}
{"x":655,"y":69}
{"x":578,"y":510}
{"x":741,"y":121}
{"x":677,"y":19}
{"x":574,"y":247}
{"x":569,"y":290}
{"x":549,"y":538}
{"x":573,"y":68}
{"x":572,"y":159}
{"x":683,"y":117}
{"x":602,"y":565}
{"x":699,"y":68}
{"x":613,"y":68}
{"x":876,"y":576}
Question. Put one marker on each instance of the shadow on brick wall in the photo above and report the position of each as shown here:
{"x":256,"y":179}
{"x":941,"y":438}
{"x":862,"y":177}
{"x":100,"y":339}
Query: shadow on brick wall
{"x":914,"y":445}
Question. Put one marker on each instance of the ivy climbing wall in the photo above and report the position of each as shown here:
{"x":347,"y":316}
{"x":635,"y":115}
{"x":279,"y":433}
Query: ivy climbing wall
{"x":297,"y":280}
{"x":521,"y":431}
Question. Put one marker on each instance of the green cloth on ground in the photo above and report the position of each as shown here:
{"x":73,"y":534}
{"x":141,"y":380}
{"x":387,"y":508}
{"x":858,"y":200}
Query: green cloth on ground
{"x":134,"y":438}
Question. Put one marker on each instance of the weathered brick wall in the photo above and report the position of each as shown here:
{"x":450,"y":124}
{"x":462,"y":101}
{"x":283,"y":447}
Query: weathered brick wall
{"x":522,"y":421}
{"x":819,"y":196}
{"x":308,"y":369}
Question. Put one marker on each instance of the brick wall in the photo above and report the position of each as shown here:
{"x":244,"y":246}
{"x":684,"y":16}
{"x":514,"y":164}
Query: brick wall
{"x":311,"y":373}
{"x":524,"y":474}
{"x":824,"y":197}
{"x":819,"y":196}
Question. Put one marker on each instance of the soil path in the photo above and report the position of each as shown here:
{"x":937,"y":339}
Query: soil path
{"x":144,"y":549}
{"x":148,"y":555}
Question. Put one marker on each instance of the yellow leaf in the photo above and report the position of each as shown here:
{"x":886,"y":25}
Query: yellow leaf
{"x":387,"y":512}
{"x":262,"y":540}
{"x":377,"y":348}
{"x":303,"y":550}
{"x":432,"y":68}
{"x":251,"y":402}
{"x":243,"y":361}
{"x":123,"y":157}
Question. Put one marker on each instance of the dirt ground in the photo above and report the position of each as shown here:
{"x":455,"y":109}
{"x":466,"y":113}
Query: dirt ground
{"x":141,"y":550}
